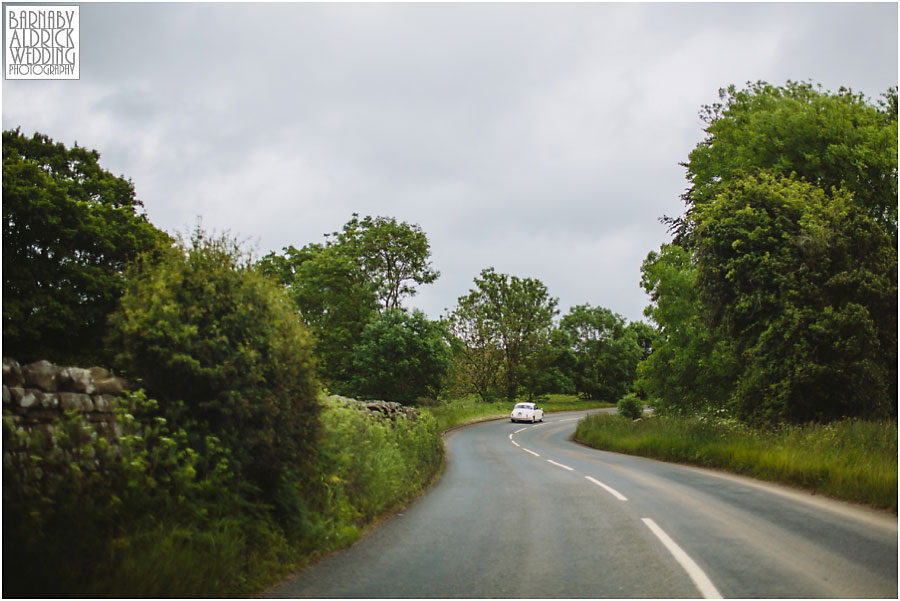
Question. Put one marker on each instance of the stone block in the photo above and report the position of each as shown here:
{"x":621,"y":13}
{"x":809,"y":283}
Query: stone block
{"x":75,"y":400}
{"x":12,"y":372}
{"x":42,"y":375}
{"x":76,"y":379}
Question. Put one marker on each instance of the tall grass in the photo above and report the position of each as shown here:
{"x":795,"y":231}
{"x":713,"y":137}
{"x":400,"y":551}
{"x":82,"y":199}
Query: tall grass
{"x":852,"y":460}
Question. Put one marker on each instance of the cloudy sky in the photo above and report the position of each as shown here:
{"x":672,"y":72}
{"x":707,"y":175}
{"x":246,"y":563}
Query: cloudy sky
{"x":541,"y":139}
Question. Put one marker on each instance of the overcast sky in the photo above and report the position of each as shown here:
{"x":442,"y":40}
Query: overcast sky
{"x":541,"y":139}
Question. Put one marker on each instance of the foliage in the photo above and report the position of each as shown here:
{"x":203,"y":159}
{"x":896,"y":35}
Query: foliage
{"x":141,"y":513}
{"x":69,"y":229}
{"x":502,"y":324}
{"x":225,"y":353}
{"x":606,"y":351}
{"x":689,"y":369}
{"x":778,"y":299}
{"x":76,"y":499}
{"x":830,"y":140}
{"x":630,"y":406}
{"x":849,"y":459}
{"x":370,"y":465}
{"x":394,"y":256}
{"x":341,"y":285}
{"x":401,"y":357}
{"x":806,"y":287}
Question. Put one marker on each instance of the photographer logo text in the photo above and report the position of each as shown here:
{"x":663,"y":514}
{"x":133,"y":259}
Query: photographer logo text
{"x":42,"y":42}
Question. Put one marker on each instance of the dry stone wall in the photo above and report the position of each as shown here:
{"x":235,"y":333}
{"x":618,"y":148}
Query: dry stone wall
{"x":37,"y":393}
{"x":380,"y":409}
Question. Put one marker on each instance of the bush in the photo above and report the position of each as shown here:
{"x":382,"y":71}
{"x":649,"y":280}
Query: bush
{"x":631,"y":406}
{"x":76,"y":500}
{"x":225,"y":353}
{"x":370,"y":464}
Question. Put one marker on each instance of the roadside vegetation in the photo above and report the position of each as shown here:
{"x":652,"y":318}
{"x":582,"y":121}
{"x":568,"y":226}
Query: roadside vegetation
{"x":770,"y":348}
{"x":850,"y":459}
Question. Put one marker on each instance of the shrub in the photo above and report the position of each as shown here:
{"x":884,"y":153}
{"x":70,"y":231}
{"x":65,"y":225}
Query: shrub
{"x":74,"y":497}
{"x":225,"y":353}
{"x":631,"y":406}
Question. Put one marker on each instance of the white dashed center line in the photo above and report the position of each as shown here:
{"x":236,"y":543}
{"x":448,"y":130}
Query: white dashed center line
{"x":703,"y":583}
{"x":532,"y":452}
{"x":608,"y":489}
{"x":565,"y":467}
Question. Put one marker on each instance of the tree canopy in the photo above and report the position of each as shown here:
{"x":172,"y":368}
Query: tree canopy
{"x":777,"y":300}
{"x":606,"y":352}
{"x":503,"y":323}
{"x":830,"y":140}
{"x":370,"y":266}
{"x":69,"y":229}
{"x":400,"y":357}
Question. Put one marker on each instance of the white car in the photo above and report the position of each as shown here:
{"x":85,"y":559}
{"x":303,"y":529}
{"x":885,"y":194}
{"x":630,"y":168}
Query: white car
{"x":526,"y":412}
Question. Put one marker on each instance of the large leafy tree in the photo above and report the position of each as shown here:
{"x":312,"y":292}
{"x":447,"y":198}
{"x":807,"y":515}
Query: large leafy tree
{"x":370,"y":266}
{"x":504,"y":323}
{"x":830,"y":140}
{"x":401,"y":357}
{"x":606,"y":352}
{"x":69,"y":229}
{"x":805,"y":284}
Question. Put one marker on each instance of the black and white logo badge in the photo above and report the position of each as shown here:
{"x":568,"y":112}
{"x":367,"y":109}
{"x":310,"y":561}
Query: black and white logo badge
{"x":41,"y":42}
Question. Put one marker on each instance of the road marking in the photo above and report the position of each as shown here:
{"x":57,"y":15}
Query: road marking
{"x":519,"y":430}
{"x":565,"y":467}
{"x":515,"y":443}
{"x":608,"y":489}
{"x":571,"y":419}
{"x":510,"y":436}
{"x":703,"y":583}
{"x":540,"y":424}
{"x":532,"y":452}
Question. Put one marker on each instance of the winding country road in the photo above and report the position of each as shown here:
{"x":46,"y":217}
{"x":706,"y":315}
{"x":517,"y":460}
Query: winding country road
{"x":521,"y":511}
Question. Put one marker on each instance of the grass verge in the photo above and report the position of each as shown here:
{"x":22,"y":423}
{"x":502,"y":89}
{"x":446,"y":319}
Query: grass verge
{"x":851,"y":460}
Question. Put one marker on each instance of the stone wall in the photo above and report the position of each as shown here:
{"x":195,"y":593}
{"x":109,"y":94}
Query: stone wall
{"x":36,"y":393}
{"x":380,"y":409}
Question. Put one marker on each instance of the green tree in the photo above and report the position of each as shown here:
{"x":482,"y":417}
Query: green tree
{"x":690,"y":369}
{"x":401,"y":357}
{"x":830,"y":140}
{"x":805,"y":284}
{"x":224,"y":352}
{"x":395,"y":257}
{"x":504,"y":323}
{"x":340,"y":286}
{"x":69,"y":230}
{"x":606,"y":352}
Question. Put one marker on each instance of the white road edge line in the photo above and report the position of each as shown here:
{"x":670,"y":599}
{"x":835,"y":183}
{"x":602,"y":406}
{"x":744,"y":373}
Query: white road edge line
{"x":532,"y":452}
{"x":565,"y":467}
{"x":608,"y":489}
{"x":703,"y":583}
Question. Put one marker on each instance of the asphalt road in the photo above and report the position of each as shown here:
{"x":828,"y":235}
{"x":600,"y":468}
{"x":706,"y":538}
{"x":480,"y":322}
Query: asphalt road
{"x":521,"y":511}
